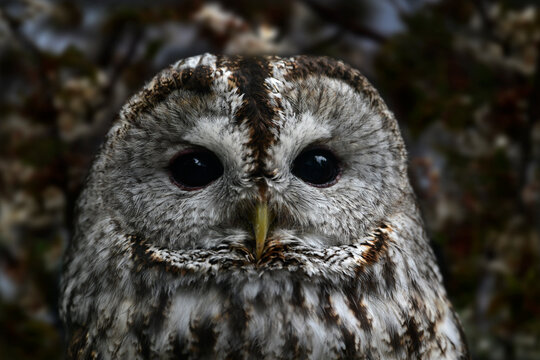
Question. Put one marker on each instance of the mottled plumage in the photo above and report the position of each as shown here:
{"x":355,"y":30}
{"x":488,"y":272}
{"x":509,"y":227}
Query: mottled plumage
{"x":158,"y":271}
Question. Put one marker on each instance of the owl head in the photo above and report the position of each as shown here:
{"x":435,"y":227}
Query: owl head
{"x":253,"y":150}
{"x":254,"y":207}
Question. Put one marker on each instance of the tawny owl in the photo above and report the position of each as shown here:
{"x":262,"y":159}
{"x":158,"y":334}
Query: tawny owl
{"x":254,"y":207}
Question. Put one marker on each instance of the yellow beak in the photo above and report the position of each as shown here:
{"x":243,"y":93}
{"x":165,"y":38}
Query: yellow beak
{"x":261,"y":222}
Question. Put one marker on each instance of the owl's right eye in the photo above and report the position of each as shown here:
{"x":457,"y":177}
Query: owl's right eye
{"x":194,"y":169}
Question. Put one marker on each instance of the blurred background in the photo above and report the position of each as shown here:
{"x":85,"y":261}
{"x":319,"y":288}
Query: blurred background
{"x":462,"y":76}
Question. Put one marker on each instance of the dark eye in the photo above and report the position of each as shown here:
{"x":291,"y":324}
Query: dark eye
{"x":317,"y":167}
{"x":195,"y":169}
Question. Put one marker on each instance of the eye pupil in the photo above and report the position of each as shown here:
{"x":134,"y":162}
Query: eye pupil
{"x":318,"y":167}
{"x":195,"y":169}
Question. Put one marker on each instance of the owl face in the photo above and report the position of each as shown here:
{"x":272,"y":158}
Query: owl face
{"x":254,"y":208}
{"x":211,"y":141}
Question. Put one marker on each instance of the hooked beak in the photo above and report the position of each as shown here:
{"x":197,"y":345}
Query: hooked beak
{"x":261,"y":222}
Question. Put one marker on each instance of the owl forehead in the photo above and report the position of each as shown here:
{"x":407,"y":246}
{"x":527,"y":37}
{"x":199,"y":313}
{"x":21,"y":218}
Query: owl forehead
{"x":255,"y":90}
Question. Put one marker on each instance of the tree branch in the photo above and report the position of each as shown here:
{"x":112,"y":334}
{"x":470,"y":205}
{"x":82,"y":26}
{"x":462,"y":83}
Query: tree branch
{"x":533,"y":116}
{"x":341,"y":19}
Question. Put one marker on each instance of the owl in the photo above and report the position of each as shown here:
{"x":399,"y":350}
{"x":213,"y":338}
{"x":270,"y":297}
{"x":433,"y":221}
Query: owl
{"x":254,"y":208}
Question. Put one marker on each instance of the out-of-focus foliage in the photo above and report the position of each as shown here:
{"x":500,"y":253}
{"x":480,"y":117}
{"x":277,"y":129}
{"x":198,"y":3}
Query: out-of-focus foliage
{"x":465,"y":81}
{"x":463,"y":78}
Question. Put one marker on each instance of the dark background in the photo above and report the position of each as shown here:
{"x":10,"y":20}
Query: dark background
{"x":463,"y":78}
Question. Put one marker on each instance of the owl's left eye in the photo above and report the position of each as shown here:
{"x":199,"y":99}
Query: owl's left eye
{"x":317,"y":167}
{"x":194,"y":169}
